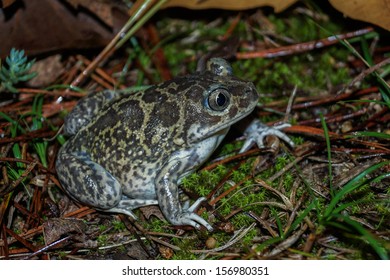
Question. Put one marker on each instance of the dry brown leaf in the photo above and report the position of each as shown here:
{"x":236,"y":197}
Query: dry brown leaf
{"x":278,"y":5}
{"x":152,"y":210}
{"x":104,"y":9}
{"x":48,"y":69}
{"x":39,"y":26}
{"x":6,"y":3}
{"x":54,"y":228}
{"x":375,"y":11}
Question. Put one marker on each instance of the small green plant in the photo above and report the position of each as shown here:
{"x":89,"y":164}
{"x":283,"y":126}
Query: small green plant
{"x":40,"y":145}
{"x":15,"y":70}
{"x":334,"y":214}
{"x":118,"y":225}
{"x":102,"y":239}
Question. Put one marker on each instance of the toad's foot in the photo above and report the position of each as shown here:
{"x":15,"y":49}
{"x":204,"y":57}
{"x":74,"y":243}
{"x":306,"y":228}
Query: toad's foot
{"x":191,"y":219}
{"x":188,"y":217}
{"x":257,"y":131}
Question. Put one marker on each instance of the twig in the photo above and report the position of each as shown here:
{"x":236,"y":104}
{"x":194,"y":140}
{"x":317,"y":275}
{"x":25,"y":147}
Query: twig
{"x":303,"y":47}
{"x":238,"y":236}
{"x":139,"y":9}
{"x":368,"y":71}
{"x":284,"y":198}
{"x":286,"y":243}
{"x":263,"y":222}
{"x":284,"y":169}
{"x":45,"y":248}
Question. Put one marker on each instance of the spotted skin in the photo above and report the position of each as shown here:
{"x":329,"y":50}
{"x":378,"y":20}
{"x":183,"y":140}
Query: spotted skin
{"x":133,"y":150}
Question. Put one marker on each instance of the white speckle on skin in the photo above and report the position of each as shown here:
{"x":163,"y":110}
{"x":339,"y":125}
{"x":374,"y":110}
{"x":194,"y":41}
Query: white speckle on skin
{"x":178,"y":141}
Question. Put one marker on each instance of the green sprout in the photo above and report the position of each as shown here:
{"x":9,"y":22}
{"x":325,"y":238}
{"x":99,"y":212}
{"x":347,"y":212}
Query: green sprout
{"x":15,"y":70}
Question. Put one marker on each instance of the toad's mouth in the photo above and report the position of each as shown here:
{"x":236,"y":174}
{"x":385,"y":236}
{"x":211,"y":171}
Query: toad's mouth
{"x":219,"y":131}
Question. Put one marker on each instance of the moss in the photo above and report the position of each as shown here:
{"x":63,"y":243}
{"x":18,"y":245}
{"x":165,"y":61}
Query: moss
{"x":156,"y":225}
{"x":202,"y":182}
{"x":247,"y":241}
{"x":102,"y":227}
{"x":118,"y":225}
{"x":102,"y":240}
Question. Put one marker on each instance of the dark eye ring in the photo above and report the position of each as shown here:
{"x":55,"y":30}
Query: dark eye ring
{"x":219,"y":99}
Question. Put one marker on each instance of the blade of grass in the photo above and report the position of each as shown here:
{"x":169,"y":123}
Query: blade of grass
{"x":267,"y":243}
{"x":300,"y":218}
{"x":37,"y":118}
{"x":153,"y":9}
{"x":350,"y":186}
{"x":353,"y":203}
{"x":368,"y":134}
{"x":368,"y":237}
{"x":383,"y":86}
{"x":278,"y":222}
{"x":385,"y":93}
{"x":327,"y":139}
{"x":14,"y":130}
{"x":140,"y":14}
{"x":385,"y":71}
{"x":338,"y":225}
{"x":366,"y":50}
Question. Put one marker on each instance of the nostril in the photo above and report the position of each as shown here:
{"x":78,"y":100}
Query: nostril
{"x":252,"y":91}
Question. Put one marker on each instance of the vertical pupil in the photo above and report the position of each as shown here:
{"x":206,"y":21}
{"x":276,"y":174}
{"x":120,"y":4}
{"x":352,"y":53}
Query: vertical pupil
{"x":221,"y":99}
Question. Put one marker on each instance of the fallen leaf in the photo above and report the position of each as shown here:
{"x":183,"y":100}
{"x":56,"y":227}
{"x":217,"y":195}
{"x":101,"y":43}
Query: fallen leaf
{"x":136,"y":251}
{"x":152,"y":210}
{"x":6,"y":3}
{"x":104,"y":9}
{"x":54,"y":228}
{"x":278,"y":5}
{"x":48,"y":69}
{"x":375,"y":11}
{"x":39,"y":26}
{"x":166,"y":252}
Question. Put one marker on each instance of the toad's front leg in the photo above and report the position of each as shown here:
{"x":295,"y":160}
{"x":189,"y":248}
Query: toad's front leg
{"x":257,"y":131}
{"x":168,"y":198}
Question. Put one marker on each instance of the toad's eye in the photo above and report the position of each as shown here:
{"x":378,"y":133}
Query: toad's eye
{"x":218,"y":99}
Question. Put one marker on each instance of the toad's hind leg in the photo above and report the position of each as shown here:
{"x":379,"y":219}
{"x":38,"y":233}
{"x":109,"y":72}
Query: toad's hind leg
{"x":89,"y":183}
{"x":127,"y":204}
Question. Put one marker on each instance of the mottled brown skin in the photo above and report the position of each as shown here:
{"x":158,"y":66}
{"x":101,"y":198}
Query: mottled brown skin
{"x":132,"y":150}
